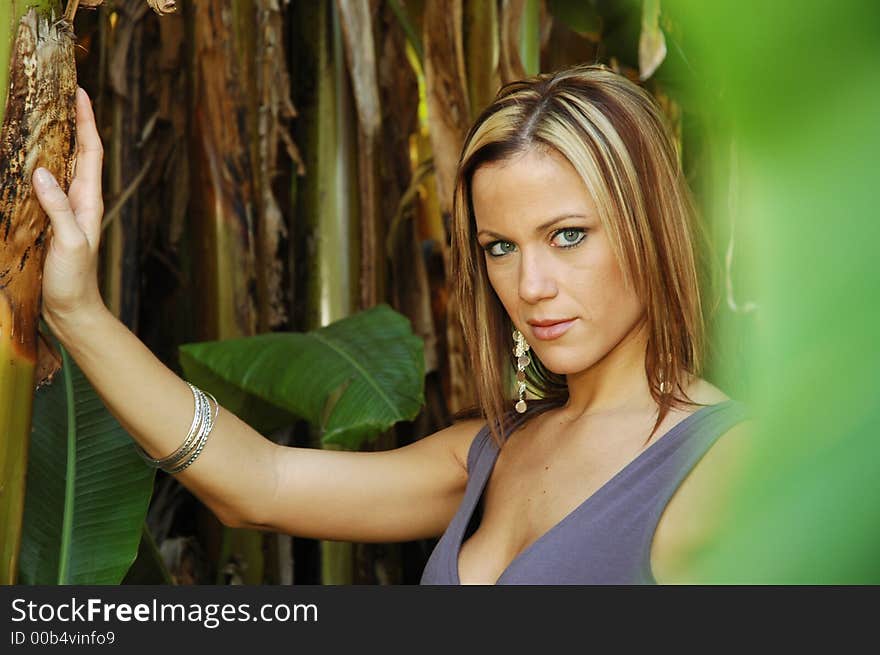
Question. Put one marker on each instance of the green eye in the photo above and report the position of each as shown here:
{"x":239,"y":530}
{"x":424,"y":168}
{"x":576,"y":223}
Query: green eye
{"x":568,"y":237}
{"x":499,"y":248}
{"x":571,"y":236}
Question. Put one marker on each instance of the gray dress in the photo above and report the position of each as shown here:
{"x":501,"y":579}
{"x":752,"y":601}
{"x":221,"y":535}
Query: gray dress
{"x":607,"y":538}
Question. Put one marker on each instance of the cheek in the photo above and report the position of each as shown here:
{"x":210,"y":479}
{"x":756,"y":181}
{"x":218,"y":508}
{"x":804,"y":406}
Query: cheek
{"x":503,"y":285}
{"x":599,"y":286}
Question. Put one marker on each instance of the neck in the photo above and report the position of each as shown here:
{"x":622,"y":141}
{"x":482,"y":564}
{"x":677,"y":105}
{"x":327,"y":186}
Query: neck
{"x":617,"y":382}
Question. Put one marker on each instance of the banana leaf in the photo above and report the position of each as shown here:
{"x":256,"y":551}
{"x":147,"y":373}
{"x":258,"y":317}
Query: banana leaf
{"x":148,"y":567}
{"x":352,"y":379}
{"x":87,"y":489}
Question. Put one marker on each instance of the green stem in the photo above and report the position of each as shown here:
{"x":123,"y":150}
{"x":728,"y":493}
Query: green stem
{"x":70,"y":473}
{"x":530,"y":37}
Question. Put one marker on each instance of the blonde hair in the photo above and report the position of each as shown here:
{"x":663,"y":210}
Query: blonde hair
{"x":615,"y":136}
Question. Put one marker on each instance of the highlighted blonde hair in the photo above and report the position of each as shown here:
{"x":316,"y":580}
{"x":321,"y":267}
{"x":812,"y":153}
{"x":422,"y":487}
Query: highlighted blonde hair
{"x":615,"y":136}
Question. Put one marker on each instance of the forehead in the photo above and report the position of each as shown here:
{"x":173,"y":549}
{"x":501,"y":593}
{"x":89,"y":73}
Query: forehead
{"x":526,"y":190}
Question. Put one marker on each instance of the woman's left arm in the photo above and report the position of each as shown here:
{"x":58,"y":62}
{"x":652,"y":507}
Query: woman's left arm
{"x":698,"y":514}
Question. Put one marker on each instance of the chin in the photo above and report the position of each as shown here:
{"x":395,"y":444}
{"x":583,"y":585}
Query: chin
{"x":566,"y":364}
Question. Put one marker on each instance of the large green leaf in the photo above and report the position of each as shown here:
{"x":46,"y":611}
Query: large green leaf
{"x":148,"y":567}
{"x":352,"y":379}
{"x":87,"y":489}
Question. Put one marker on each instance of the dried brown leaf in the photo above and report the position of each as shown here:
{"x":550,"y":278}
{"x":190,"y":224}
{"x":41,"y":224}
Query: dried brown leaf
{"x":652,"y":43}
{"x":449,"y":112}
{"x":37,"y":131}
{"x":73,"y":5}
{"x":446,"y":86}
{"x":163,"y":7}
{"x":222,"y":204}
{"x":510,"y":63}
{"x":48,"y":361}
{"x":360,"y":53}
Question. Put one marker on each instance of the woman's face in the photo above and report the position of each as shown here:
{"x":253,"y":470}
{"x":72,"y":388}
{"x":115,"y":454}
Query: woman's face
{"x":549,"y":260}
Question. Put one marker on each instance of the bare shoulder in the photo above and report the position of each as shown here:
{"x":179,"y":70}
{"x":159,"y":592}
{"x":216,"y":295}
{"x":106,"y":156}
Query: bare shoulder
{"x":457,"y":438}
{"x":694,"y":516}
{"x":701,"y":393}
{"x":704,"y":392}
{"x":719,"y":468}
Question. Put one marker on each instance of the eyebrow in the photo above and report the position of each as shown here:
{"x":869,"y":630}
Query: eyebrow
{"x":539,"y":229}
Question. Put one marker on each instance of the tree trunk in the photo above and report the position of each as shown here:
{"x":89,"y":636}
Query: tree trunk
{"x":121,"y":256}
{"x":328,"y":202}
{"x":222,"y":211}
{"x":36,"y":60}
{"x":449,"y":117}
{"x":481,"y":53}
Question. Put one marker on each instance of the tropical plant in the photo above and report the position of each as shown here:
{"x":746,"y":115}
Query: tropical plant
{"x":352,"y":379}
{"x":87,"y":489}
{"x":37,"y":52}
{"x":272,"y":168}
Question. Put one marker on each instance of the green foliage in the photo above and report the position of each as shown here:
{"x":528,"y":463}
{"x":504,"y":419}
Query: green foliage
{"x":795,"y":87}
{"x":87,"y":489}
{"x":148,"y":568}
{"x":582,"y":17}
{"x":352,"y":379}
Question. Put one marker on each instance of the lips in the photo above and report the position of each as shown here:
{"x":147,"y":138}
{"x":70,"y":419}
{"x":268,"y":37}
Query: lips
{"x":549,"y":329}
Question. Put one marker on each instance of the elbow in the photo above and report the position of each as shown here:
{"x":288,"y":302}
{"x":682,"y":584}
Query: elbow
{"x":251,"y":509}
{"x":229,"y":519}
{"x":234,"y":519}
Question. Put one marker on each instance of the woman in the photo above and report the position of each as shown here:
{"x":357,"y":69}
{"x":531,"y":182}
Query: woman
{"x":571,"y":246}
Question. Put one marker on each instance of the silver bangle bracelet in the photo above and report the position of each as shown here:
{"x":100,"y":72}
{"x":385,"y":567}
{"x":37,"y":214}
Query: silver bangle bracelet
{"x":202,"y":410}
{"x":193,"y":428}
{"x":204,"y":432}
{"x":204,"y":417}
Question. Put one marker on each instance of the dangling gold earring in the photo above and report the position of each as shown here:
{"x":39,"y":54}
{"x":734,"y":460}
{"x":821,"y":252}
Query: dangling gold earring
{"x":662,"y":373}
{"x":520,"y":349}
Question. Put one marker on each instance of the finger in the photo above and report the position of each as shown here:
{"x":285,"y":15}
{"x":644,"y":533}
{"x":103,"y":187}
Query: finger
{"x":85,"y":196}
{"x":57,"y":207}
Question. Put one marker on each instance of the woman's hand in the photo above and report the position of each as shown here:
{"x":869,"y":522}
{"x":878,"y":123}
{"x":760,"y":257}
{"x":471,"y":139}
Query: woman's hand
{"x":70,"y":272}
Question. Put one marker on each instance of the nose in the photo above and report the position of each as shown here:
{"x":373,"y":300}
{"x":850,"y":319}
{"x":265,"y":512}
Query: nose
{"x":537,"y":280}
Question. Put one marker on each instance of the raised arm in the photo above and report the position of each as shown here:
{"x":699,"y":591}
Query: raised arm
{"x":245,"y":479}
